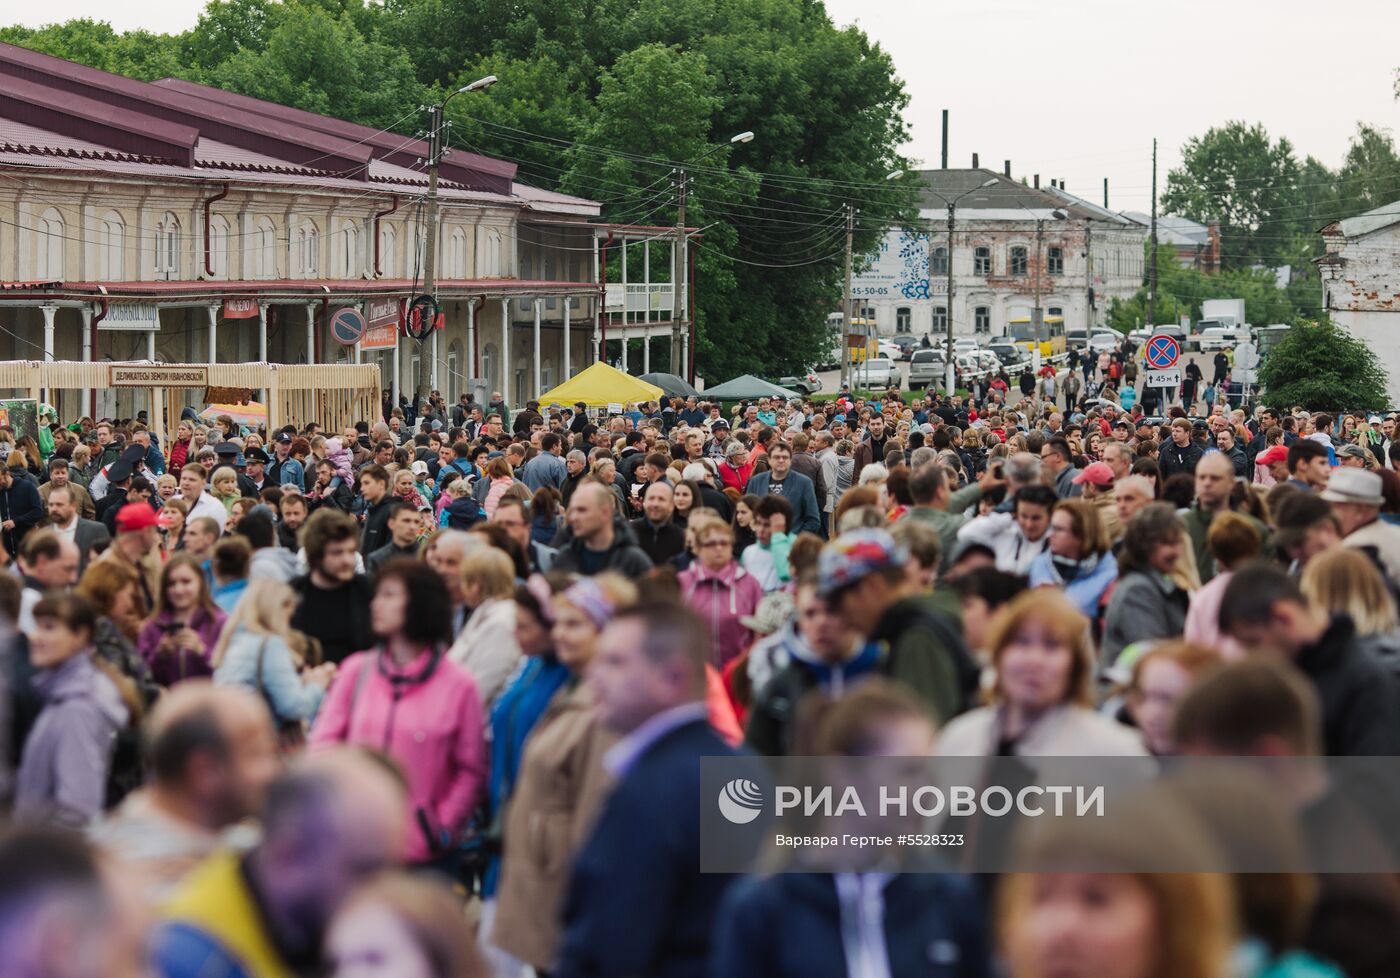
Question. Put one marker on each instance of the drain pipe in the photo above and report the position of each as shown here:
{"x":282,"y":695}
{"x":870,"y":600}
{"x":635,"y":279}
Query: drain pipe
{"x":92,"y":349}
{"x":377,"y":216}
{"x":602,"y":350}
{"x":208,"y":257}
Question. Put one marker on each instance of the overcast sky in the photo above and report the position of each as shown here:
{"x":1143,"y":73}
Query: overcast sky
{"x":1076,"y":90}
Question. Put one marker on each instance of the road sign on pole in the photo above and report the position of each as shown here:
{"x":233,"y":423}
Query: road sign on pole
{"x":1162,"y":378}
{"x":1162,"y":352}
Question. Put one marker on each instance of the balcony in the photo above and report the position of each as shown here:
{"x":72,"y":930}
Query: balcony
{"x":639,"y":298}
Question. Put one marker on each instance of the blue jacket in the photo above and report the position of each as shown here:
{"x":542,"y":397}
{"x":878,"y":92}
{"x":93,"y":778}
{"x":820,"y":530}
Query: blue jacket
{"x":637,"y":902}
{"x":287,"y":696}
{"x":800,"y":492}
{"x":790,"y":925}
{"x":1086,"y":590}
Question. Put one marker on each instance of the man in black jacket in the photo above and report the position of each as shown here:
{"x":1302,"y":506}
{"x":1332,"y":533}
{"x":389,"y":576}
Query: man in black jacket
{"x":658,"y":536}
{"x":1180,"y":454}
{"x":598,"y":539}
{"x":1264,"y":611}
{"x":374,"y":490}
{"x":21,"y":509}
{"x":334,"y":606}
{"x":404,"y":524}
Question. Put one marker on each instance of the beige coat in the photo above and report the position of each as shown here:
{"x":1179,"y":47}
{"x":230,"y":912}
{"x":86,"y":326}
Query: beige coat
{"x":560,"y":791}
{"x":1067,"y":731}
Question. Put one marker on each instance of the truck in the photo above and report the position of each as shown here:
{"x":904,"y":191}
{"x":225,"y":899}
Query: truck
{"x":1221,"y":312}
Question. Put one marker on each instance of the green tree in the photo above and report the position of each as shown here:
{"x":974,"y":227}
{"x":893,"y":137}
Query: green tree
{"x":1323,"y":368}
{"x":1237,"y":175}
{"x":225,"y":28}
{"x":1370,"y":175}
{"x":137,"y":54}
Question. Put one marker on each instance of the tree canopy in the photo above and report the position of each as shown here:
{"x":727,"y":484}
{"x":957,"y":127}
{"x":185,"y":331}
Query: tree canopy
{"x":604,"y":99}
{"x":1323,"y":368}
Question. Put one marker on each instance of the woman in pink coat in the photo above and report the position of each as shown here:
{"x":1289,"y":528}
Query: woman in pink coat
{"x":718,"y":588}
{"x":406,"y":698}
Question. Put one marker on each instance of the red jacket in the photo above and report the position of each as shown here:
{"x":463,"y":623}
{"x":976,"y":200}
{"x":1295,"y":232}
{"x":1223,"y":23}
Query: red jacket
{"x":737,"y":478}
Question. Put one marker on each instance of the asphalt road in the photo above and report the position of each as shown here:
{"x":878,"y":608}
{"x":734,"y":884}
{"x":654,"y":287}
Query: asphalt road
{"x":831,"y":379}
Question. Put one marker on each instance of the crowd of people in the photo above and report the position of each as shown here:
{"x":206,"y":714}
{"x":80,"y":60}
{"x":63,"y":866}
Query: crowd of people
{"x":426,"y":696}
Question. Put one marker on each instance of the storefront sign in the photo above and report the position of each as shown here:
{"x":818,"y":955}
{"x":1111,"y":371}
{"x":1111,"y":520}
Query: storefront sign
{"x":137,"y":317}
{"x":383,"y":330}
{"x":240,"y":308}
{"x":158,"y":375}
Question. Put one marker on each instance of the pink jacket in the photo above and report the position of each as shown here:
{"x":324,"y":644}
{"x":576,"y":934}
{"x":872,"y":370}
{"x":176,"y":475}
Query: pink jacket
{"x":723,"y":597}
{"x":433,"y":729}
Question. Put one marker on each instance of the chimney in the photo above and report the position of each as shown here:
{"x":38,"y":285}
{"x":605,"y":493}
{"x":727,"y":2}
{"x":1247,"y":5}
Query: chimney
{"x":1105,"y":193}
{"x":1037,"y":181}
{"x":1007,"y":168}
{"x":945,"y":139}
{"x":974,"y":161}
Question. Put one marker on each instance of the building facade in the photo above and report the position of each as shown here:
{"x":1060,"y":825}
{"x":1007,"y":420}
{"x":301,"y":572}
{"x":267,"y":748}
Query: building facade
{"x":1361,"y":283}
{"x":175,"y":222}
{"x":1011,"y":244}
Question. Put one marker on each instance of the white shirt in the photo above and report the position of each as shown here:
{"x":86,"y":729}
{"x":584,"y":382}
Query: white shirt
{"x":206,"y":505}
{"x":68,"y":532}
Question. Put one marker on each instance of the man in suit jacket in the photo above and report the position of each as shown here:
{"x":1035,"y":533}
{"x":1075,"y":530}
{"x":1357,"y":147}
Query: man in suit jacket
{"x":637,"y":903}
{"x":796,"y":488}
{"x":59,"y":476}
{"x":65,"y":521}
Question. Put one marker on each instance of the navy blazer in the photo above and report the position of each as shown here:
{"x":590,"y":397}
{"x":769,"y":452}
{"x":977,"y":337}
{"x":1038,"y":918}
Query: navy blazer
{"x":637,"y":903}
{"x":800,"y":492}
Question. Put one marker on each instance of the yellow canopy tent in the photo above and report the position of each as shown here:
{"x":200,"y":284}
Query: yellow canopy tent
{"x":599,"y":386}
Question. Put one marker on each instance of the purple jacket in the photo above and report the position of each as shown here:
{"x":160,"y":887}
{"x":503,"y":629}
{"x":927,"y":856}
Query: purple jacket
{"x":723,"y":597}
{"x":63,"y":774}
{"x":169,"y":668}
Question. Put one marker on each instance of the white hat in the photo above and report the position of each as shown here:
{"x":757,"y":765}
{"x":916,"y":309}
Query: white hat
{"x":1349,"y":485}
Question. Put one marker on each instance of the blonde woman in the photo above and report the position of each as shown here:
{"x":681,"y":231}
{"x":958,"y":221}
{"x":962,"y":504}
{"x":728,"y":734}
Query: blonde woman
{"x":255,"y":650}
{"x":1342,"y":580}
{"x":487,"y":647}
{"x":225,"y":486}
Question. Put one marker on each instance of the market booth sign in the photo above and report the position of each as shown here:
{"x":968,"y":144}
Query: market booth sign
{"x":158,"y":375}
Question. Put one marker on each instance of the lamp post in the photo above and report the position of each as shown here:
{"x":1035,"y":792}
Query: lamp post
{"x":948,"y":318}
{"x":435,"y":154}
{"x":679,"y":323}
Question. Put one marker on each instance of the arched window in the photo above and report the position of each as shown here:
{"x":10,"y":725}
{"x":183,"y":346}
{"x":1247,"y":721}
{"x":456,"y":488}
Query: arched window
{"x":264,"y":246}
{"x":982,"y":320}
{"x":938,"y":261}
{"x":111,"y":242}
{"x":454,"y":384}
{"x":388,"y":251}
{"x":491,"y":260}
{"x":488,"y":365}
{"x":458,"y":254}
{"x":350,"y":248}
{"x":218,"y":246}
{"x":168,"y":246}
{"x":49,"y":235}
{"x":306,"y":245}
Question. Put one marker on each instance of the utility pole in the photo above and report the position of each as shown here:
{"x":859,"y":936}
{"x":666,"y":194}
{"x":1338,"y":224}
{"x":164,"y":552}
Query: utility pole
{"x":425,"y":365}
{"x":1152,"y":280}
{"x":948,"y":370}
{"x":1036,"y":317}
{"x":847,"y":305}
{"x":678,"y":323}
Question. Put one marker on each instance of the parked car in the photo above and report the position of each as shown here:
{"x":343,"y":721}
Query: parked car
{"x":1104,"y":340}
{"x":965,"y":344}
{"x":808,"y":383}
{"x":907,"y":343}
{"x":1076,"y":339}
{"x":926,"y":369}
{"x":1217,"y":338}
{"x":1139,"y":336}
{"x":988,"y":361}
{"x":889,"y":348}
{"x":876,"y":374}
{"x":1010,"y":355}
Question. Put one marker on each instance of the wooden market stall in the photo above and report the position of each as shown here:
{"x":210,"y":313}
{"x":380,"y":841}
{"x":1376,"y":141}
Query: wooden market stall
{"x":335,"y":395}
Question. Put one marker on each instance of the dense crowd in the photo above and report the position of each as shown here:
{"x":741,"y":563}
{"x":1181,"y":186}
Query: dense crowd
{"x":426,"y":696}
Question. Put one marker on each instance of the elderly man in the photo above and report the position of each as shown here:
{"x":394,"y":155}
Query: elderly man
{"x":1215,"y":478}
{"x":59,"y":476}
{"x":1355,"y":495}
{"x":1097,"y":483}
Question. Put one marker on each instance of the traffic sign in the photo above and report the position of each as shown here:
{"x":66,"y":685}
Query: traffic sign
{"x":1162,"y":378}
{"x":347,"y":326}
{"x":1162,"y":352}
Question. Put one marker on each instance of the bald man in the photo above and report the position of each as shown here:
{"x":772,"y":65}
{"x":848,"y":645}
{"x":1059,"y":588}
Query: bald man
{"x":212,"y":754}
{"x":1215,"y":480}
{"x":599,"y":538}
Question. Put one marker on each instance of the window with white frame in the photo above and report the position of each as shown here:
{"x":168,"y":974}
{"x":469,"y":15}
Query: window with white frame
{"x":168,"y":246}
{"x":350,"y":252}
{"x":265,"y":249}
{"x":218,"y":246}
{"x":1055,"y":311}
{"x":458,"y":254}
{"x":1019,"y":260}
{"x":306,"y":251}
{"x":938,"y":261}
{"x":110,"y":245}
{"x":940,"y":319}
{"x":491,"y":260}
{"x":388,"y":251}
{"x":1055,"y":260}
{"x":982,"y":261}
{"x":982,"y":319}
{"x":50,"y":241}
{"x":903,"y":320}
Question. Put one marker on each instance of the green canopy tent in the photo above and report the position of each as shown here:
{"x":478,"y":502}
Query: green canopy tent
{"x":673,"y":386}
{"x":747,"y":388}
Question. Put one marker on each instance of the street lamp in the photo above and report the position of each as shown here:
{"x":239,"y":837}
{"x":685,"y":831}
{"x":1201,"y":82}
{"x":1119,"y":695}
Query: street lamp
{"x":679,"y":323}
{"x":948,"y":318}
{"x":1037,"y":318}
{"x":435,"y":152}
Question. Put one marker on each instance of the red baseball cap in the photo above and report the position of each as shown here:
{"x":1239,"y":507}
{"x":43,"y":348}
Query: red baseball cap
{"x":136,"y":516}
{"x":1098,"y":473}
{"x":1276,"y":454}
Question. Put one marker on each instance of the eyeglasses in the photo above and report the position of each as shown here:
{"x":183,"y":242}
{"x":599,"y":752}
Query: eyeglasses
{"x":715,"y":543}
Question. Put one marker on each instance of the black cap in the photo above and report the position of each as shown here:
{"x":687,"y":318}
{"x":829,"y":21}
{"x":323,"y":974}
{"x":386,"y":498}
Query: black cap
{"x":256,"y":455}
{"x":120,"y":470}
{"x":133,"y":454}
{"x":1199,"y":425}
{"x":225,"y":448}
{"x":283,"y":439}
